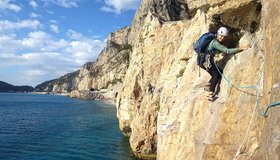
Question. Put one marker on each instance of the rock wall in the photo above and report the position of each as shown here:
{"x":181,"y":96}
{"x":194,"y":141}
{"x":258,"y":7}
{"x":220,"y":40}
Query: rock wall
{"x":270,"y":144}
{"x":101,"y":79}
{"x":177,"y":121}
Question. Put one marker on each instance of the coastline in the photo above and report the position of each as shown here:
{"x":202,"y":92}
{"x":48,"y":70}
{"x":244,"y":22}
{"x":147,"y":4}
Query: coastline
{"x":103,"y":95}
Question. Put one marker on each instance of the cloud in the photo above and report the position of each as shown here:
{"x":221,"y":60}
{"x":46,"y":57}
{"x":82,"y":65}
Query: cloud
{"x":50,"y":12}
{"x":63,"y":3}
{"x":39,"y":56}
{"x":34,"y":15}
{"x":55,"y":45}
{"x":109,"y":9}
{"x":54,"y":28}
{"x":36,"y":40}
{"x":9,"y":44}
{"x":6,"y":25}
{"x":117,"y":6}
{"x":5,"y":4}
{"x":85,"y":50}
{"x":71,"y":34}
{"x":33,"y":4}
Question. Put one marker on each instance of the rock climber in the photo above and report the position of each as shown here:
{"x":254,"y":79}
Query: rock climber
{"x":150,"y":88}
{"x":214,"y":47}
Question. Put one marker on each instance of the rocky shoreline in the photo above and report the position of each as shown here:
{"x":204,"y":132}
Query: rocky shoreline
{"x":103,"y":95}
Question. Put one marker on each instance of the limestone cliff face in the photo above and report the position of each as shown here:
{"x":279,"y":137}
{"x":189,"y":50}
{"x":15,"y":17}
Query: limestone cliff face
{"x":110,"y":67}
{"x":100,"y":79}
{"x":177,"y":121}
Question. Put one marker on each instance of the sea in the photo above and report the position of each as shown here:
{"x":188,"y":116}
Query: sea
{"x":54,"y":127}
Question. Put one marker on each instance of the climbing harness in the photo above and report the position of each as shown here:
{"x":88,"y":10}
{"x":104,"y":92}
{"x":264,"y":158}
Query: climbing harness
{"x":207,"y":62}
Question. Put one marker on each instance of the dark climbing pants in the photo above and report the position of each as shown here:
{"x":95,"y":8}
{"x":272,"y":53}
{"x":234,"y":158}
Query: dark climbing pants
{"x":215,"y":76}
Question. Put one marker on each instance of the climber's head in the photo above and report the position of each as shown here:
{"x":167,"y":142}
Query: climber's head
{"x":222,"y":33}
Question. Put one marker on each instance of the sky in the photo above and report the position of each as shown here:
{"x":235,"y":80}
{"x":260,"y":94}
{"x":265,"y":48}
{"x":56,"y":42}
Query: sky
{"x":42,"y":40}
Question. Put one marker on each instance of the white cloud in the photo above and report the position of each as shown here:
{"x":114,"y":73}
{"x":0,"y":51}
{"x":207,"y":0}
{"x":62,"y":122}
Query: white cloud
{"x":9,"y":44}
{"x":54,"y":28}
{"x":36,"y":40}
{"x":34,"y":15}
{"x":33,"y":4}
{"x":53,"y":21}
{"x":71,"y":34}
{"x":5,"y":4}
{"x":35,"y":72}
{"x":50,"y":12}
{"x":63,"y":3}
{"x":109,"y":9}
{"x":117,"y":6}
{"x":6,"y":25}
{"x":40,"y":57}
{"x":55,"y":45}
{"x":84,"y":51}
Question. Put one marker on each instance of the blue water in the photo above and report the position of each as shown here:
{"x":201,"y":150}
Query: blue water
{"x":49,"y":127}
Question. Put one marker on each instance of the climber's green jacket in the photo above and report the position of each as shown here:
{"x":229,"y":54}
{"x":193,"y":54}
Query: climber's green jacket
{"x":215,"y":46}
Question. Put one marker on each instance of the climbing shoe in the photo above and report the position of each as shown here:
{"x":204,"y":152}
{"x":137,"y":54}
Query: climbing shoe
{"x":212,"y":97}
{"x":207,"y":88}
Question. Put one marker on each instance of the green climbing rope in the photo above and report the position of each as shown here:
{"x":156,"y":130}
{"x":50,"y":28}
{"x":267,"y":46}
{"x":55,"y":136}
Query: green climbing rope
{"x":264,"y":113}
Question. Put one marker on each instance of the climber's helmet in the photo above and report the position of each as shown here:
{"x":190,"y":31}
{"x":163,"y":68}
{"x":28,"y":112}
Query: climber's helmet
{"x":223,"y":31}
